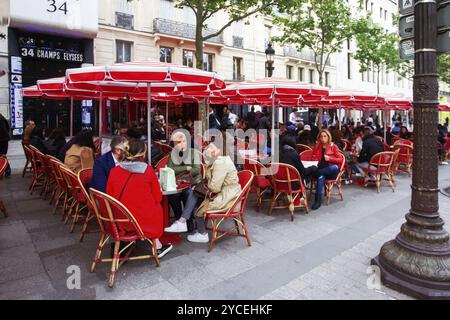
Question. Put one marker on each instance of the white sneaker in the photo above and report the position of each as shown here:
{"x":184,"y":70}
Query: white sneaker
{"x":177,"y":227}
{"x":358,"y":175}
{"x":198,"y":238}
{"x":445,"y":163}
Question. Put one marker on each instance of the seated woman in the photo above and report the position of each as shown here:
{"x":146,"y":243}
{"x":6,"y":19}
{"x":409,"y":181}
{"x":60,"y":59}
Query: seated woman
{"x":404,"y":133}
{"x":186,"y":164}
{"x":223,"y":185}
{"x":37,"y":140}
{"x":55,"y":142}
{"x":135,"y":185}
{"x":81,"y":154}
{"x":327,"y":153}
{"x":289,"y":155}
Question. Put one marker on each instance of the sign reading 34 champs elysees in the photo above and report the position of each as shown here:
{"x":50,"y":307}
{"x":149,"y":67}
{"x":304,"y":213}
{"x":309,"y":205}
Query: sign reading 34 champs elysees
{"x":76,"y":18}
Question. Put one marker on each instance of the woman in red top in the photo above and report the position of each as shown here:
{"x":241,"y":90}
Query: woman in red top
{"x":134,"y":183}
{"x":327,"y":153}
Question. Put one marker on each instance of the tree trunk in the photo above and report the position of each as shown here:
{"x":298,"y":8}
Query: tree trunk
{"x":320,"y":115}
{"x":202,"y":112}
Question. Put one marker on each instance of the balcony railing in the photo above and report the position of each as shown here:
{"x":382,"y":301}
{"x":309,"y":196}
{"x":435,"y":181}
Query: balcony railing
{"x":238,"y":42}
{"x":183,"y":30}
{"x":308,"y":55}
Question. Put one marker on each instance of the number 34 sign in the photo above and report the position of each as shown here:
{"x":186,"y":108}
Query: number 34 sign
{"x":66,"y":16}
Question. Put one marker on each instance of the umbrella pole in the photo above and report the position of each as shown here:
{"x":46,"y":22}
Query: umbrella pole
{"x":385,"y":124}
{"x":273,"y":126}
{"x":100,"y":119}
{"x":149,"y":122}
{"x":71,"y":116}
{"x":340,"y":116}
{"x":167,"y":120}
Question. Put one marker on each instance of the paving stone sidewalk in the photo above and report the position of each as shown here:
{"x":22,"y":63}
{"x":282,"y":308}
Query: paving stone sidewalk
{"x":321,"y":255}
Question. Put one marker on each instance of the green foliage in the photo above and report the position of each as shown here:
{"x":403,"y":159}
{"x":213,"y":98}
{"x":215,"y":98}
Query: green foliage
{"x":320,"y":25}
{"x":237,"y":10}
{"x":377,"y":48}
{"x":444,"y":67}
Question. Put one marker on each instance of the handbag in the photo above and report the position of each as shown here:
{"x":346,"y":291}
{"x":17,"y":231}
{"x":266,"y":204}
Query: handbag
{"x":201,"y":191}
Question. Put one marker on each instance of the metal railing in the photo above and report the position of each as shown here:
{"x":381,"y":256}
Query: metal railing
{"x":183,"y":30}
{"x":308,"y":55}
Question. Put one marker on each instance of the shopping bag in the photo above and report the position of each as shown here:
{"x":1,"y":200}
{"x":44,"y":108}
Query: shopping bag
{"x":167,"y":179}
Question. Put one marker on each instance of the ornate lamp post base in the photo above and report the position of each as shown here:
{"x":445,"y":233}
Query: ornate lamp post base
{"x":417,"y":270}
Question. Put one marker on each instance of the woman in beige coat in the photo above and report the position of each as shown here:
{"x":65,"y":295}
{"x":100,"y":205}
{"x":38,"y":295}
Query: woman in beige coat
{"x":223,"y":185}
{"x":81,"y":155}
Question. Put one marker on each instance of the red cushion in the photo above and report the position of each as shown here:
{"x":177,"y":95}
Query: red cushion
{"x":261,"y":182}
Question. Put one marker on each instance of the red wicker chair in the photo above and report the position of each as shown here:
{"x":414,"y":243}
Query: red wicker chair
{"x":261,"y":183}
{"x":162,"y":163}
{"x":329,"y":184}
{"x":302,"y":147}
{"x":347,"y":145}
{"x":111,"y":215}
{"x":404,"y":159}
{"x":235,"y":212}
{"x":382,"y":163}
{"x":282,"y":177}
{"x":84,"y":178}
{"x":63,"y":192}
{"x":79,"y":200}
{"x":38,"y":178}
{"x":3,"y":166}
{"x":28,"y":168}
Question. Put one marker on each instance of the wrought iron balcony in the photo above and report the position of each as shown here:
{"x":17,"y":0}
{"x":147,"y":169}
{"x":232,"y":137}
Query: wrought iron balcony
{"x":183,"y":30}
{"x":238,"y":42}
{"x":308,"y":55}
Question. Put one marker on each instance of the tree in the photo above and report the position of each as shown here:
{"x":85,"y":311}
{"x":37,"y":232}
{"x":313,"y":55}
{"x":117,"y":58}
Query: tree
{"x":377,"y":50}
{"x":444,"y":68}
{"x":320,"y":25}
{"x":236,"y":10}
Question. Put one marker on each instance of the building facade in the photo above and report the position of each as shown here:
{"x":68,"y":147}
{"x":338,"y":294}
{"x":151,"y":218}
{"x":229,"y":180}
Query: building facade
{"x":110,"y":31}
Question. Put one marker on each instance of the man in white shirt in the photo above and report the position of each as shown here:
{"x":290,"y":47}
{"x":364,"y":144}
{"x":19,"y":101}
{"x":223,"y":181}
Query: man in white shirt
{"x":233,"y":118}
{"x":295,"y":117}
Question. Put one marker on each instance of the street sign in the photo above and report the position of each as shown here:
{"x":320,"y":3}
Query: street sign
{"x":407,"y":49}
{"x":443,"y":41}
{"x":406,"y":7}
{"x":443,"y":14}
{"x":15,"y":78}
{"x":406,"y":26}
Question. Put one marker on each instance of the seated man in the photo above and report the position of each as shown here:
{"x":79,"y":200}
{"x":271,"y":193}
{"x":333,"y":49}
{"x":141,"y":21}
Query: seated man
{"x":371,"y":146}
{"x":186,"y":164}
{"x":107,"y":162}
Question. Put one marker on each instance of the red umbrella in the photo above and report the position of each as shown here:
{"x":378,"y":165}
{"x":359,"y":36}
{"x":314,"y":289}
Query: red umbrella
{"x":143,"y":79}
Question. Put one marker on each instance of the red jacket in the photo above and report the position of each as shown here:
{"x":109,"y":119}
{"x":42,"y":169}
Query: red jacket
{"x":330,"y":150}
{"x":142,"y":196}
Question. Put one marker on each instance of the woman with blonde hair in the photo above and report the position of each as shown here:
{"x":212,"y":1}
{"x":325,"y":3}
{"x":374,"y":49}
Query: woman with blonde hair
{"x":222,"y":184}
{"x":134,"y":183}
{"x":328,"y":155}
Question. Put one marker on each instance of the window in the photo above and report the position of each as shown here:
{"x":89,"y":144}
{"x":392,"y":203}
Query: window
{"x":327,"y":79}
{"x":301,"y":75}
{"x":237,"y":69}
{"x":387,"y":77}
{"x":381,"y":13}
{"x":188,"y":58}
{"x":348,"y":44}
{"x":362,"y":77}
{"x":267,"y":36}
{"x":208,"y":60}
{"x":349,"y":65}
{"x":123,"y":51}
{"x":371,"y":7}
{"x":367,"y":5}
{"x":165,"y":54}
{"x":289,"y":72}
{"x":385,"y":15}
{"x":311,"y":76}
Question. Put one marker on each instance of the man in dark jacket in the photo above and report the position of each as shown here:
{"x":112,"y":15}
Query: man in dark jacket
{"x":214,"y":123}
{"x":104,"y":164}
{"x":251,"y":118}
{"x":4,"y":140}
{"x":226,"y":122}
{"x":264,"y":121}
{"x":371,"y":146}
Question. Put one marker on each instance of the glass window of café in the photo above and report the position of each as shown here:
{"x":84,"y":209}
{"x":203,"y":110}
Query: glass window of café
{"x":208,"y":61}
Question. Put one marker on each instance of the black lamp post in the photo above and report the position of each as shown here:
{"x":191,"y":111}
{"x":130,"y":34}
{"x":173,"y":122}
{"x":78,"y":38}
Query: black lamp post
{"x":417,"y":261}
{"x":270,"y":53}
